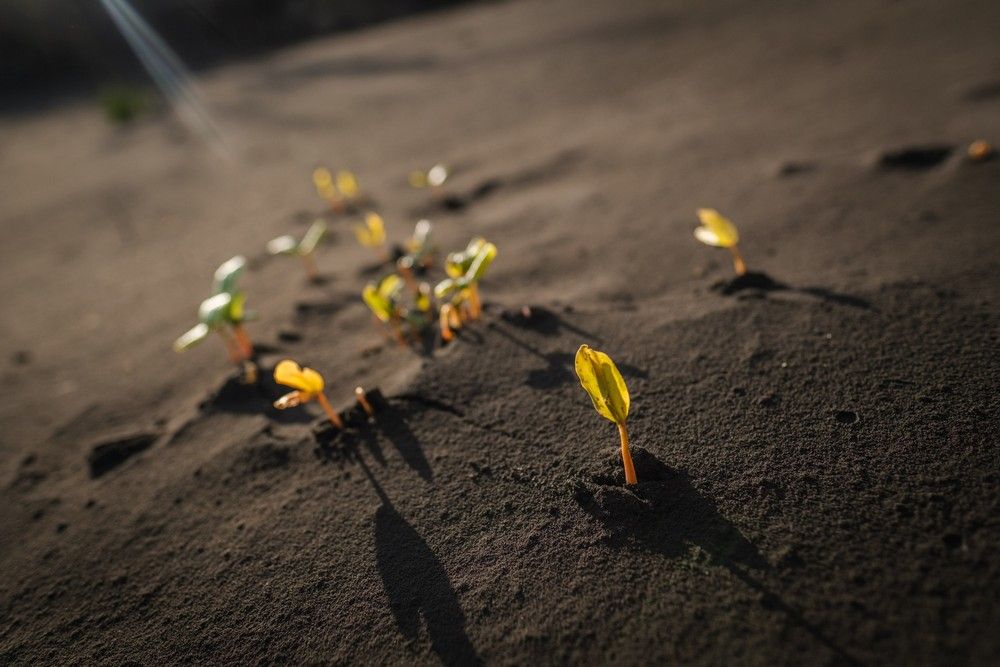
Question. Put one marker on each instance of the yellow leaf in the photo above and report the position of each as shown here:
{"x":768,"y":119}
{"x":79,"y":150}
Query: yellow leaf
{"x":372,"y":233}
{"x":347,"y":183}
{"x":601,"y":380}
{"x":307,"y":380}
{"x":716,"y":230}
{"x":418,"y":179}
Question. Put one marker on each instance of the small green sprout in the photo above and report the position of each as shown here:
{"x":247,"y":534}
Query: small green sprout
{"x":288,"y":245}
{"x":600,"y":378}
{"x":718,"y":231}
{"x":466,"y":270}
{"x":434,"y":178}
{"x":419,"y":255}
{"x":308,"y":385}
{"x":223,"y":313}
{"x":383,"y":299}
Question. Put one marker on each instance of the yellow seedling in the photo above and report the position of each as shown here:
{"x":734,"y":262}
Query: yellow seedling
{"x":604,"y":384}
{"x":433,"y":178}
{"x":383,"y":300}
{"x":347,"y":185}
{"x":718,"y":231}
{"x":359,"y":394}
{"x":372,"y":234}
{"x":289,"y":245}
{"x":326,"y":189}
{"x":308,"y":385}
{"x":466,"y":270}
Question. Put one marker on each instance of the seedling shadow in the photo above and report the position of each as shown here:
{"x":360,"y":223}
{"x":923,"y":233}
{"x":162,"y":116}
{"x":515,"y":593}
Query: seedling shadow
{"x":335,"y":444}
{"x":234,"y":396}
{"x":665,"y":514}
{"x":417,"y":584}
{"x":544,"y":321}
{"x":559,"y":369}
{"x":755,"y":282}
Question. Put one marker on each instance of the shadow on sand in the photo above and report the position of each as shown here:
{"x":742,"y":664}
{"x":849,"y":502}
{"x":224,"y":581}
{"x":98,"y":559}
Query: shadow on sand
{"x":665,"y":514}
{"x":753,"y":282}
{"x":417,"y":585}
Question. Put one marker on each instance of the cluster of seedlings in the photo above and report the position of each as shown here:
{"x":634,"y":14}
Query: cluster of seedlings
{"x":404,"y":304}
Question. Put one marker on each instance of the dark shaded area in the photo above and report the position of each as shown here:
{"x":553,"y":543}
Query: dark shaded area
{"x":761,"y":283}
{"x":106,"y":456}
{"x":544,"y":321}
{"x":915,"y":158}
{"x":665,"y":514}
{"x":417,"y":585}
{"x":50,"y":46}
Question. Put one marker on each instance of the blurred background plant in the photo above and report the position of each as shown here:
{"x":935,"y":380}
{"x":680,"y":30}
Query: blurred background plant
{"x":122,"y":104}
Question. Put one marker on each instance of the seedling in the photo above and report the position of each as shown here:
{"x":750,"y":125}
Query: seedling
{"x":383,"y":300}
{"x":308,"y":385}
{"x":604,"y":384}
{"x":223,"y":313}
{"x":718,"y":231}
{"x":372,"y":234}
{"x":433,"y":178}
{"x":288,"y":245}
{"x":339,"y":192}
{"x":466,"y":270}
{"x":980,"y":150}
{"x":359,"y":394}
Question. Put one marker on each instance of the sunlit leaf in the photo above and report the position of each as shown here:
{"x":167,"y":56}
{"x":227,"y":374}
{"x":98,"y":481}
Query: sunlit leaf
{"x":347,"y":184}
{"x":445,"y":287}
{"x":601,"y":380}
{"x":283,"y":245}
{"x":192,"y":337}
{"x":229,"y":273}
{"x":314,"y":235}
{"x":236,"y":312}
{"x":389,"y":286}
{"x":487,"y":253}
{"x":716,"y":230}
{"x":290,"y":374}
{"x":214,"y":310}
{"x":378,"y":304}
{"x":372,"y":233}
{"x":437,"y":175}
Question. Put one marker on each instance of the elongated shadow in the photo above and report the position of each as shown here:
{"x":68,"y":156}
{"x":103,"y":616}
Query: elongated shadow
{"x":666,"y":514}
{"x":544,"y":321}
{"x":417,"y":585}
{"x":391,"y":422}
{"x":559,"y":365}
{"x":756,"y":282}
{"x":235,"y":397}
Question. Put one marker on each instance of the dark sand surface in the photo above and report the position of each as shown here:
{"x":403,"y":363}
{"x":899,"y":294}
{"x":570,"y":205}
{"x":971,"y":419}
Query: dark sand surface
{"x":818,"y":463}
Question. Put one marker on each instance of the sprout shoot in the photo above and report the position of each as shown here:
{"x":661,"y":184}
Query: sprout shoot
{"x":433,"y":178}
{"x":718,"y":231}
{"x":372,"y":234}
{"x":383,"y":300}
{"x":288,"y":245}
{"x":224,"y":314}
{"x":601,"y":380}
{"x":308,"y":385}
{"x":466,"y":270}
{"x":339,"y":191}
{"x":359,"y":394}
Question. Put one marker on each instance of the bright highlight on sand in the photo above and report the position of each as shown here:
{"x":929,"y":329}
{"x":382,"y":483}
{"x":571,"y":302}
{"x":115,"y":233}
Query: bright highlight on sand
{"x":168,"y":72}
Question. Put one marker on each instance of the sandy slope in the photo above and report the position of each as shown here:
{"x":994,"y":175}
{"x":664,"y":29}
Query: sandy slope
{"x":821,"y":466}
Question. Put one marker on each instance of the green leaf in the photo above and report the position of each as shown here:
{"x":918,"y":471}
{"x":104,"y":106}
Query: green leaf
{"x":379,"y":305}
{"x":600,"y":378}
{"x":283,"y":245}
{"x":192,"y":337}
{"x":230,"y":272}
{"x":214,"y":310}
{"x":313,"y":236}
{"x":483,"y":259}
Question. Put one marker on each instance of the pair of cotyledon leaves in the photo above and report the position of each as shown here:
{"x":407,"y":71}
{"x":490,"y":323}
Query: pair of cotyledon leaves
{"x":466,"y":268}
{"x":226,"y":306}
{"x":289,"y":245}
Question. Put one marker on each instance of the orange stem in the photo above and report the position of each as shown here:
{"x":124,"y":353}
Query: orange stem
{"x":630,"y":477}
{"x":232,"y":349}
{"x":245,"y":346}
{"x":311,"y":273}
{"x":475,"y":306}
{"x":359,"y":393}
{"x":330,"y":412}
{"x":738,"y":264}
